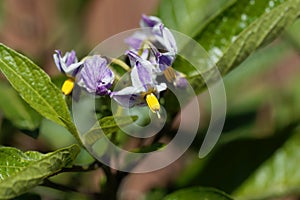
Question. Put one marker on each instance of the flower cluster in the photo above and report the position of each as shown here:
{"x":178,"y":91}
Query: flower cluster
{"x":152,"y":52}
{"x":92,"y":73}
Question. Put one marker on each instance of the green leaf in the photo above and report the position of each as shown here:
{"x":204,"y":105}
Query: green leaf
{"x":35,"y":87}
{"x":106,"y":125}
{"x":259,"y":33}
{"x":16,"y":110}
{"x":190,"y":16}
{"x":279,"y":175}
{"x":20,"y":171}
{"x":241,"y":79}
{"x":223,"y":30}
{"x":237,"y":32}
{"x":50,"y":131}
{"x":292,"y":35}
{"x":199,"y":194}
{"x":238,"y":158}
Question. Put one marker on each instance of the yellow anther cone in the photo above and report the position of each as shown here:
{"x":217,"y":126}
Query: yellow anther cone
{"x":67,"y":86}
{"x":153,"y":103}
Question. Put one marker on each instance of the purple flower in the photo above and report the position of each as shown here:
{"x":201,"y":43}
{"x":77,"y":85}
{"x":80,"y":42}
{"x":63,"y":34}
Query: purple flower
{"x":136,"y":40}
{"x":165,"y":38}
{"x":180,"y":81}
{"x":160,"y":66}
{"x":95,"y":76}
{"x":149,"y":21}
{"x":155,"y":32}
{"x":144,"y":90}
{"x":157,"y":44}
{"x":67,"y":64}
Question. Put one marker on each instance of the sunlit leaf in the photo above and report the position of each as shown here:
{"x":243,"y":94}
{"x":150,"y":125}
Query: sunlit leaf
{"x":35,"y":87}
{"x":239,"y":46}
{"x":20,"y":171}
{"x":228,"y":26}
{"x":236,"y":32}
{"x":259,"y":33}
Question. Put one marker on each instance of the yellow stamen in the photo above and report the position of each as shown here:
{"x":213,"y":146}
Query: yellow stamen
{"x":67,"y":86}
{"x":153,"y":103}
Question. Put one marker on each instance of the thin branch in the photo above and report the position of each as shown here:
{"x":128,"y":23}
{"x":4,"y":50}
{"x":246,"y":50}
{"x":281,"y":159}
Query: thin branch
{"x":50,"y":184}
{"x":76,"y":168}
{"x":56,"y":186}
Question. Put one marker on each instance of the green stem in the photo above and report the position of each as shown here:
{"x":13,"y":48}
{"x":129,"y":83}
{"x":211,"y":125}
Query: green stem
{"x":121,"y":64}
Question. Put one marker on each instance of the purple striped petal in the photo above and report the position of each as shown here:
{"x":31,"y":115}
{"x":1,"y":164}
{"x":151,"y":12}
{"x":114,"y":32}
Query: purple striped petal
{"x":149,"y":21}
{"x":71,"y":58}
{"x":67,"y":64}
{"x":165,"y":59}
{"x":131,"y":96}
{"x":141,"y":75}
{"x":58,"y":60}
{"x":180,"y":81}
{"x":166,"y":39}
{"x":135,"y":41}
{"x":95,"y":76}
{"x":128,"y":97}
{"x":143,"y":82}
{"x":142,"y":72}
{"x":160,"y":40}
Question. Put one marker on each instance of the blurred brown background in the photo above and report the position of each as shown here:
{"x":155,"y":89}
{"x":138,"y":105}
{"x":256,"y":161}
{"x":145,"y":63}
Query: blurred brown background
{"x":37,"y":27}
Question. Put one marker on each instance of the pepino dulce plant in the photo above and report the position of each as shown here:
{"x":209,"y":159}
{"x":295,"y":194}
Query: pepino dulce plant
{"x":248,"y":162}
